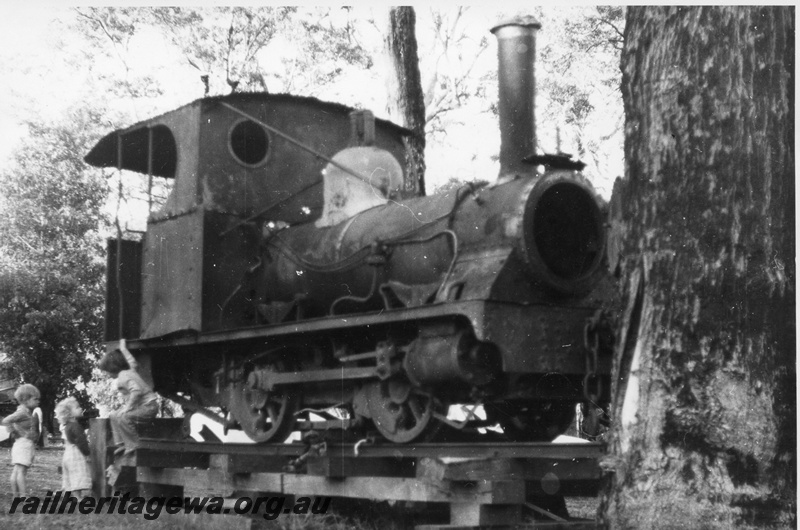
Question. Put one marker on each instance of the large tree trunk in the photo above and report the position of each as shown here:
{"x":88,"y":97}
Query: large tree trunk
{"x":703,"y":241}
{"x":406,"y":99}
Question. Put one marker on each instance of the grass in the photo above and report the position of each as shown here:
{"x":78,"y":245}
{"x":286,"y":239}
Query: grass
{"x":43,"y":476}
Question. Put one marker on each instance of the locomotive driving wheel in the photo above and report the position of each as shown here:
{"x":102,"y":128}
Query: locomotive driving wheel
{"x":265,"y":416}
{"x":401,"y":412}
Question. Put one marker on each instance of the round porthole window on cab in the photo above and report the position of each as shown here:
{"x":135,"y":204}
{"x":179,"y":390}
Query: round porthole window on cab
{"x":249,"y":143}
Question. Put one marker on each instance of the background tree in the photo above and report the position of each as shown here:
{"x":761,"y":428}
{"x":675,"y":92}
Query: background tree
{"x":51,"y":264}
{"x":579,"y":108}
{"x":273,"y":49}
{"x":578,"y":84}
{"x":406,"y":100}
{"x":704,"y":245}
{"x":455,"y":74}
{"x":222,"y":44}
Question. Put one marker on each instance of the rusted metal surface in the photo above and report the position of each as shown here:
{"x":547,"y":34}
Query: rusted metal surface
{"x":551,"y":339}
{"x":124,"y":278}
{"x":228,"y":272}
{"x":535,"y":348}
{"x":268,"y":380}
{"x":444,"y":354}
{"x":172,"y":276}
{"x":421,"y":242}
{"x":516,"y":57}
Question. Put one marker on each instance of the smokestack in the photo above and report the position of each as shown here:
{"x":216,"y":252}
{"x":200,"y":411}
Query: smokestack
{"x":516,"y":54}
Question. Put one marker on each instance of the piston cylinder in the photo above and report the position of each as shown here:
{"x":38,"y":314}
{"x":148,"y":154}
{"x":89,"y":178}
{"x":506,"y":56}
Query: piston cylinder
{"x":458,"y":356}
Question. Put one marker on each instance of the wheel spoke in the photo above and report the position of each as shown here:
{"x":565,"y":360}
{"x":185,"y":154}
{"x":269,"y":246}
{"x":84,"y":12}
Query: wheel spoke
{"x":273,"y":412}
{"x":277,"y":399}
{"x":389,"y":421}
{"x":260,"y":423}
{"x":263,"y":416}
{"x":402,"y":415}
{"x":416,"y":409}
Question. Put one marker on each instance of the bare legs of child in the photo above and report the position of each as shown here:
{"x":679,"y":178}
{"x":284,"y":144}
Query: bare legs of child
{"x":19,"y":480}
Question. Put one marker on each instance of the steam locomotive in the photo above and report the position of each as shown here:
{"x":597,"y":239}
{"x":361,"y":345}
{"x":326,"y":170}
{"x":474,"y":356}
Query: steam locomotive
{"x":285,"y":284}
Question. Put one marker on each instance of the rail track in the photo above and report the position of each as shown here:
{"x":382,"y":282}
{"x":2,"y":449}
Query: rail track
{"x":484,"y":483}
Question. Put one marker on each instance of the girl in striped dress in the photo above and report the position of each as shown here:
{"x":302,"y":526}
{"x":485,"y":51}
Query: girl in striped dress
{"x":76,"y":475}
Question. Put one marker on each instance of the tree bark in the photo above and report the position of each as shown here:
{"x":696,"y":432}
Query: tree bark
{"x":406,"y":99}
{"x":703,"y":229}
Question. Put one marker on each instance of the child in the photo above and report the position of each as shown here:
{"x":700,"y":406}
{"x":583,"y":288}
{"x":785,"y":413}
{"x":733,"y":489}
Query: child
{"x":75,"y":475}
{"x":22,"y":426}
{"x":140,"y":400}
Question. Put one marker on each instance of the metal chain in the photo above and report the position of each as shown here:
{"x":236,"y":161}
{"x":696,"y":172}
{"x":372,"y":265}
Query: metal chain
{"x":591,"y":341}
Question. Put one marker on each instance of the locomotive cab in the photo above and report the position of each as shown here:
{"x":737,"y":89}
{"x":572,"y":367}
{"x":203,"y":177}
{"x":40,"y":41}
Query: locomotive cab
{"x":231,"y":158}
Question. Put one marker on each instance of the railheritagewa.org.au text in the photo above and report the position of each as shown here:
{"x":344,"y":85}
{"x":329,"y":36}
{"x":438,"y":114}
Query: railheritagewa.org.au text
{"x":268,"y":507}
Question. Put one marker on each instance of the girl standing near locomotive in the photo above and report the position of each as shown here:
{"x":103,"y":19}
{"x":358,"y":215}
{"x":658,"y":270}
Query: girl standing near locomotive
{"x":140,"y":400}
{"x":76,"y":476}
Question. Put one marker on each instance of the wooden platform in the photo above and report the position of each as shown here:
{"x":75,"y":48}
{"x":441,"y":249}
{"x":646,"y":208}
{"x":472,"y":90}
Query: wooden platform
{"x":486,"y":485}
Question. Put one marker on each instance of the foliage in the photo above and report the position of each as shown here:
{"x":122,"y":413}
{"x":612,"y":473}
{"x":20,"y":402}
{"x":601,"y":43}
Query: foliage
{"x":221,"y":43}
{"x":112,"y":30}
{"x":231,"y":48}
{"x":50,"y":259}
{"x":453,"y":80}
{"x":326,"y":47}
{"x":144,"y":61}
{"x":102,"y":390}
{"x":580,"y":106}
{"x":578,"y":102}
{"x":455,"y":184}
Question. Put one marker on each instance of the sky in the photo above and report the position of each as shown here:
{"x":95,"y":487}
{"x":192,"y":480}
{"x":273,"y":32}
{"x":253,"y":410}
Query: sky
{"x":36,"y":80}
{"x":21,"y":32}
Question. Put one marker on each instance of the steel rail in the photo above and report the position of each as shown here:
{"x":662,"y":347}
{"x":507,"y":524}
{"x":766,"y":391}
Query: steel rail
{"x":367,"y":450}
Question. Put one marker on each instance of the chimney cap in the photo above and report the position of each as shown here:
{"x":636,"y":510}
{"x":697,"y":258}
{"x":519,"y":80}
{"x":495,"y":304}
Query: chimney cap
{"x":526,"y":21}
